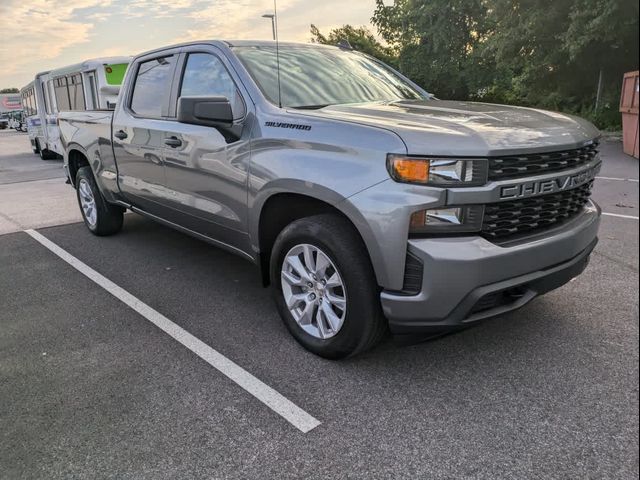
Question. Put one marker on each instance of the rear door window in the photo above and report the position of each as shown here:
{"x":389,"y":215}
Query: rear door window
{"x":151,"y":87}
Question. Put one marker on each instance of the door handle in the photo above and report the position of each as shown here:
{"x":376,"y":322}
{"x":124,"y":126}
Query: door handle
{"x":121,"y":134}
{"x":173,"y":142}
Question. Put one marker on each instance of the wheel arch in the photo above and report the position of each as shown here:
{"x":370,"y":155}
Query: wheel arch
{"x":281,"y":207}
{"x":76,"y":158}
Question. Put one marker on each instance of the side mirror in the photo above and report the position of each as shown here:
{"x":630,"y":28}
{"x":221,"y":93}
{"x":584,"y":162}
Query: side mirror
{"x":206,"y":111}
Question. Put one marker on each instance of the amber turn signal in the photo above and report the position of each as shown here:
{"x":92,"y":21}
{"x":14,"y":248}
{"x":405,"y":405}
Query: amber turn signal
{"x":410,"y":169}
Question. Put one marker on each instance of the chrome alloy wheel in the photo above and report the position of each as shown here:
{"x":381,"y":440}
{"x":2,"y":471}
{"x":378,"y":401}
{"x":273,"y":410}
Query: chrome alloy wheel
{"x":87,"y":202}
{"x":313,"y":291}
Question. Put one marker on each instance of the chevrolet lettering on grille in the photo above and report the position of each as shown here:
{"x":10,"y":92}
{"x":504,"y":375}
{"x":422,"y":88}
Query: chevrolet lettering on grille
{"x":558,"y":184}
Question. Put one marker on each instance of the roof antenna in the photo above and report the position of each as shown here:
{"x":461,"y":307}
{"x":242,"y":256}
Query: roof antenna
{"x":275,"y":13}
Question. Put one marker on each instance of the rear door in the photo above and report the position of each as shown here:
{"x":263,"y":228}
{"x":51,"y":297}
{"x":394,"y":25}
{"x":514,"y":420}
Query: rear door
{"x":206,"y":168}
{"x":139,"y":128}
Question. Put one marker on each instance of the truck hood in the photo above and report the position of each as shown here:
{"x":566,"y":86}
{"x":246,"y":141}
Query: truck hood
{"x":438,"y":127}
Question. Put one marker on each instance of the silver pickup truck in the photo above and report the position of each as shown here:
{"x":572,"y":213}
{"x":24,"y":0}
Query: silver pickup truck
{"x":367,"y":203}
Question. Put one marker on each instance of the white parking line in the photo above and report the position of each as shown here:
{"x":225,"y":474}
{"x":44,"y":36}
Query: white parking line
{"x":620,"y":216}
{"x":619,"y":179}
{"x":267,"y":395}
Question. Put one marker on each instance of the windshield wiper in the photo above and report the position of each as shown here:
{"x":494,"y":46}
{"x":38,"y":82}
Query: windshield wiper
{"x":310,"y":107}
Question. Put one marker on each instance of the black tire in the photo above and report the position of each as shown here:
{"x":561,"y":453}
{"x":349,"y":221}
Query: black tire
{"x":109,"y":217}
{"x":46,"y":154}
{"x":364,"y":325}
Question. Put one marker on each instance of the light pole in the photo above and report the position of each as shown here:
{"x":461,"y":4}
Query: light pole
{"x":273,"y":22}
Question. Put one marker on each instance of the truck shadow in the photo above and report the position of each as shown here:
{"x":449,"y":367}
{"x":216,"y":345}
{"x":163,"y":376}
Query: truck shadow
{"x":229,"y":285}
{"x":499,"y":369}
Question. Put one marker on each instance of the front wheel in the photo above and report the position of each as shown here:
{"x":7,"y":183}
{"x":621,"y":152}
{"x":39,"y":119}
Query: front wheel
{"x":100,"y":217}
{"x":325,"y":288}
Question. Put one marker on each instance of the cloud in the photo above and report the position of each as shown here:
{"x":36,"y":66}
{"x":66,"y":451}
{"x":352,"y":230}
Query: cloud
{"x":40,"y":29}
{"x":241,"y":19}
{"x":41,"y":34}
{"x":157,"y":8}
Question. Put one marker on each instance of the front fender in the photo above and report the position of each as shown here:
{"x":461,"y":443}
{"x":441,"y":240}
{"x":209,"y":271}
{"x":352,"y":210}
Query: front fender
{"x":326,"y":195}
{"x":329,"y":160}
{"x":285,"y":185}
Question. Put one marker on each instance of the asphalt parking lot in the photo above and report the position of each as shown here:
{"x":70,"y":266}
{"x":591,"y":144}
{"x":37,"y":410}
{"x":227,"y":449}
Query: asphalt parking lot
{"x":90,"y":388}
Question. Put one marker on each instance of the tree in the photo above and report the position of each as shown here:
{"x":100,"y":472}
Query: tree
{"x":10,"y":90}
{"x":556,"y":51}
{"x":546,"y":53}
{"x":360,"y":38}
{"x":435,"y":40}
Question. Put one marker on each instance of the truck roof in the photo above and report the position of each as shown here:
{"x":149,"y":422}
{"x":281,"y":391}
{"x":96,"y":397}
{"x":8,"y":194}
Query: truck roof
{"x":236,"y":43}
{"x":270,"y":43}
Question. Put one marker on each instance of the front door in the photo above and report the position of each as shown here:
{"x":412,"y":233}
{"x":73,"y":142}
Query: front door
{"x":206,"y":168}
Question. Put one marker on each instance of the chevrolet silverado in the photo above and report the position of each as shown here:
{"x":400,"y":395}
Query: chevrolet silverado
{"x":367,"y":203}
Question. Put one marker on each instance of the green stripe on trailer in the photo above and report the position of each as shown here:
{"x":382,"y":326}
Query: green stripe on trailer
{"x":115,"y":73}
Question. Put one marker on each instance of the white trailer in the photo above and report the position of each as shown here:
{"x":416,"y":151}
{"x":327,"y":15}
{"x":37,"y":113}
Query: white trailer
{"x":32,"y":96}
{"x":89,"y":85}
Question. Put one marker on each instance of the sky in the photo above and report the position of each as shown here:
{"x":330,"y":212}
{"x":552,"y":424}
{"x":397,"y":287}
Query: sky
{"x":39,"y":35}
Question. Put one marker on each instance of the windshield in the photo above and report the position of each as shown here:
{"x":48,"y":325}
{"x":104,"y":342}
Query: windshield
{"x":313,"y":77}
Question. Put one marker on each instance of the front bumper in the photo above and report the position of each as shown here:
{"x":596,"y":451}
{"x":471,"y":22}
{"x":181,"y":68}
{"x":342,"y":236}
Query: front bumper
{"x":466,"y":279}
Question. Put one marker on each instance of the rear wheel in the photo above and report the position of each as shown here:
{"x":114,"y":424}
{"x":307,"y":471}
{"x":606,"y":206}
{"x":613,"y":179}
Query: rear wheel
{"x":325,"y":288}
{"x":100,"y":217}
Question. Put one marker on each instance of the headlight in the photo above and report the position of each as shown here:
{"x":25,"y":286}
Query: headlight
{"x":443,"y":172}
{"x":447,"y":220}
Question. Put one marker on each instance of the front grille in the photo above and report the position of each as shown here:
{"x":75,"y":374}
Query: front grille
{"x":517,"y":166}
{"x":530,"y":215}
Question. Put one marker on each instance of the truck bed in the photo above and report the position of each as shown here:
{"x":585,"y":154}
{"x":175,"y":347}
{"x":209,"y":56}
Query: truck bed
{"x":89,"y":133}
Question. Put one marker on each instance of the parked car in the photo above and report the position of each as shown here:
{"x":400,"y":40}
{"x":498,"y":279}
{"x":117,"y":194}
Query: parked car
{"x":16,"y":120}
{"x":366,"y":202}
{"x":4,"y":122}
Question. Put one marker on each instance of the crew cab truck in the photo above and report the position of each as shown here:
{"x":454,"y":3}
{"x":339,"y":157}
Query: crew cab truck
{"x":366,"y":202}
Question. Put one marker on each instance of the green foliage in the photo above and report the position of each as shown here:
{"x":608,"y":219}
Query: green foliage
{"x":543,"y":53}
{"x":435,"y":39}
{"x":9,"y":90}
{"x":360,"y":38}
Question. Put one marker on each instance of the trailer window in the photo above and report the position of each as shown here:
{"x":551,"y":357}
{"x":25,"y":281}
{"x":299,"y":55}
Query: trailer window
{"x":29,"y":102}
{"x":76,"y":93}
{"x":93,"y":91}
{"x":46,"y":91}
{"x":152,"y":84}
{"x":62,"y":94}
{"x":114,"y":73}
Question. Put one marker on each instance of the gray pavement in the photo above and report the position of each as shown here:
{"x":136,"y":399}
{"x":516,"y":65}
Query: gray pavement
{"x":32,"y":191}
{"x":19,"y":164}
{"x":90,"y":389}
